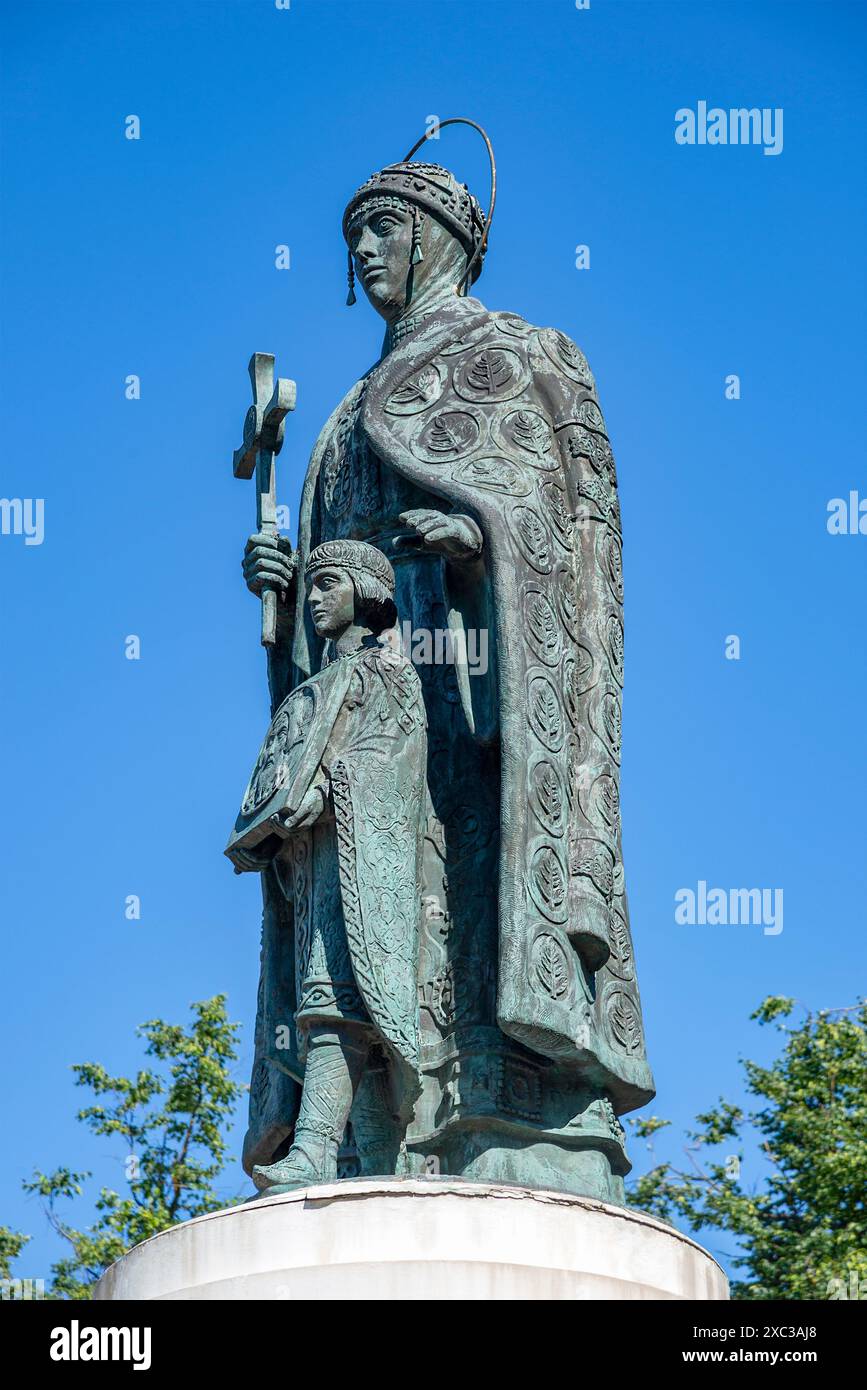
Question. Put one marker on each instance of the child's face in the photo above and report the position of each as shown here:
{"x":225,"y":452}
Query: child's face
{"x":331,"y":599}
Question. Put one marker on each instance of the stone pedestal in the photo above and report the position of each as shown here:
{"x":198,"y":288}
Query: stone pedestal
{"x":419,"y":1238}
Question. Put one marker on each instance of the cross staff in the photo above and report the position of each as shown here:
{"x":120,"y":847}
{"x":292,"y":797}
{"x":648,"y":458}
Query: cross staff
{"x":263,"y":440}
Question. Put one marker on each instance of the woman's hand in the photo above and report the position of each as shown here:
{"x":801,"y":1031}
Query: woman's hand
{"x":269,"y":560}
{"x":456,"y":537}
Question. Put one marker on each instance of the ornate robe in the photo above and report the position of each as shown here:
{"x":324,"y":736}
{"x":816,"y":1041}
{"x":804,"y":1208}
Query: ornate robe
{"x":531,"y":1033}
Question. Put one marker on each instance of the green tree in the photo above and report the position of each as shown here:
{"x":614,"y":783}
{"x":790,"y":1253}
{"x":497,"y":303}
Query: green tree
{"x":171,"y":1123}
{"x":801,"y":1231}
{"x":11,"y":1245}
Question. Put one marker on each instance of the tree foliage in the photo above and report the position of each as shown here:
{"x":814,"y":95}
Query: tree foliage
{"x":11,"y":1245}
{"x":801,"y":1231}
{"x":171,"y":1121}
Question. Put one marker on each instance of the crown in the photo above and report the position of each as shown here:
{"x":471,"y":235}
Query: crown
{"x":433,"y":189}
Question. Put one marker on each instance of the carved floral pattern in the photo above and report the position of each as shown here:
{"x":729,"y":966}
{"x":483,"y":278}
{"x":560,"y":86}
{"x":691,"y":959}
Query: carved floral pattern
{"x":417,"y":393}
{"x":551,"y":967}
{"x":493,"y":374}
{"x":624,"y":1022}
{"x":533,"y":539}
{"x":548,"y":884}
{"x":493,"y":474}
{"x":542,"y":626}
{"x":547,"y":796}
{"x":543,"y":711}
{"x":446,"y":436}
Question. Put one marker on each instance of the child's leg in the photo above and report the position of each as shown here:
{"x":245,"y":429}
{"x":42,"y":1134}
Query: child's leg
{"x":336,"y":1056}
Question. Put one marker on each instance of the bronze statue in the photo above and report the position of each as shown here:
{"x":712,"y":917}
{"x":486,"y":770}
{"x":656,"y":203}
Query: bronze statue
{"x":474,"y":456}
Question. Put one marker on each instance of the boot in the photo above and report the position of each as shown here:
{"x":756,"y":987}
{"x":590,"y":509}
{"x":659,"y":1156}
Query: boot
{"x":334,"y":1065}
{"x":311,"y":1159}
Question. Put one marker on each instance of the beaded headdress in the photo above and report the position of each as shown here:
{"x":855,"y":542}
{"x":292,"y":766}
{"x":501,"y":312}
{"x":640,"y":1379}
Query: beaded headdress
{"x":430,"y":189}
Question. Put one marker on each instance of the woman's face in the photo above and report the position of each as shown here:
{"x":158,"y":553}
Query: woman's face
{"x":380,"y":240}
{"x":381,"y":246}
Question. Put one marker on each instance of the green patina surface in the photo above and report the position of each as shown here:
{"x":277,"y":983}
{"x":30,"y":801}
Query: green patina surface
{"x":447,"y":973}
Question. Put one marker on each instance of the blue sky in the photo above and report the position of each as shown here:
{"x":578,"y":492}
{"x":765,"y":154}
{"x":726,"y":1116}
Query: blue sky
{"x":156,"y":258}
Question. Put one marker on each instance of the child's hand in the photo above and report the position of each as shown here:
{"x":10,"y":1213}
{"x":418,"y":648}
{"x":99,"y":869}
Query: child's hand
{"x":311,"y":808}
{"x":247,"y":861}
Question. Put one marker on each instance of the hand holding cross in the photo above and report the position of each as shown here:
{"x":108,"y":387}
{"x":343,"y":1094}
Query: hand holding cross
{"x":263,"y":440}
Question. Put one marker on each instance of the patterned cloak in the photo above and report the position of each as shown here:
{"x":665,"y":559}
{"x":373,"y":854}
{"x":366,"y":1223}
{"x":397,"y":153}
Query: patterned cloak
{"x":501,"y":421}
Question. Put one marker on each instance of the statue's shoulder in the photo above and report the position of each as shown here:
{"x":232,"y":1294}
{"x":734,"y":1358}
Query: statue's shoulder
{"x":388,"y":662}
{"x":348,"y":404}
{"x":386,"y":669}
{"x":342,"y":412}
{"x":307,"y":695}
{"x":335,"y":672}
{"x":542,"y":347}
{"x":501,"y":326}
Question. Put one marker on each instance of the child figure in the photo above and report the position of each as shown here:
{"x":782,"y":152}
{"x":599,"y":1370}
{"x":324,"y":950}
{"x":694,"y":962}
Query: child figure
{"x":336,"y":804}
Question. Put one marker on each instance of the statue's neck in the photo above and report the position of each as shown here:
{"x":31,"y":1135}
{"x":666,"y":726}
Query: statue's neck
{"x":351,"y":640}
{"x":421,"y":307}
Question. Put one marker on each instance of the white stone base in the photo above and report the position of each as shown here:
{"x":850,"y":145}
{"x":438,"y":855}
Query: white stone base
{"x":418,"y":1238}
